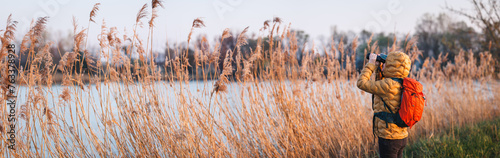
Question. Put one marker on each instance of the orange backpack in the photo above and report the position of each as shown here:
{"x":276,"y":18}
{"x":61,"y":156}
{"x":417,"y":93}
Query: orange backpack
{"x":412,"y":104}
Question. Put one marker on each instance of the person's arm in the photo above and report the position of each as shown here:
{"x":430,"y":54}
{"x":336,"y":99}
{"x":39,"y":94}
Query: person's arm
{"x":364,"y":83}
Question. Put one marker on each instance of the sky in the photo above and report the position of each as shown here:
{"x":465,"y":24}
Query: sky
{"x":315,"y":17}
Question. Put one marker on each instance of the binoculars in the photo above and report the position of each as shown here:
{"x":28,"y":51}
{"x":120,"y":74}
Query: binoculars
{"x":380,"y":57}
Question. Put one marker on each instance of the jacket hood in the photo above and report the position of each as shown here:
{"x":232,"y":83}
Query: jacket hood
{"x":397,"y":65}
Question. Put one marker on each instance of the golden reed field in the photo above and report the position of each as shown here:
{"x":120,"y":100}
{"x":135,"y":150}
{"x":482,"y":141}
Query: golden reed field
{"x":264,"y":104}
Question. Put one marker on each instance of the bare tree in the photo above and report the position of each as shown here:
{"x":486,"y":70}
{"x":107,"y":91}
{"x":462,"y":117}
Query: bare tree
{"x":486,"y":15}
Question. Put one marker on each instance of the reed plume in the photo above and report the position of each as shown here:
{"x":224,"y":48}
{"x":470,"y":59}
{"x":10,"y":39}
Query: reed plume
{"x":93,"y":13}
{"x":78,"y":39}
{"x":8,"y":35}
{"x":411,"y":43}
{"x":39,"y":27}
{"x":157,"y":3}
{"x":197,"y":23}
{"x":227,"y":70}
{"x":226,"y":34}
{"x":266,"y":25}
{"x":242,"y":38}
{"x":143,"y":12}
{"x":354,"y":45}
{"x":154,"y":15}
{"x":34,"y":33}
{"x":277,"y":20}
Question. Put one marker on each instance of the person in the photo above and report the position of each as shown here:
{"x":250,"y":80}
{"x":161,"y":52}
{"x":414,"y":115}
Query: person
{"x":391,"y":138}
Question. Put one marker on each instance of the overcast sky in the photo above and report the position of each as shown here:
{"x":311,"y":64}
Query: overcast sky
{"x":316,"y":17}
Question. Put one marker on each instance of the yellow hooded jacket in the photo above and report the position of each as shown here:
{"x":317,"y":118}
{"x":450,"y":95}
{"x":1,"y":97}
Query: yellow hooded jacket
{"x":397,"y":65}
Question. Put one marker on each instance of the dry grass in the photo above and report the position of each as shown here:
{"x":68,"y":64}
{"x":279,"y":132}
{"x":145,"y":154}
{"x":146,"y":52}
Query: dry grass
{"x":274,"y":106}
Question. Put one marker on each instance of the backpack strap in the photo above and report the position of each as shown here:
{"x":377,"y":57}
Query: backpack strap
{"x":373,"y":119}
{"x":400,"y":80}
{"x":385,"y":105}
{"x":391,"y":118}
{"x":384,"y":115}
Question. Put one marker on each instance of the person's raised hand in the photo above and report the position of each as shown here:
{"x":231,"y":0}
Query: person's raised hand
{"x":373,"y":58}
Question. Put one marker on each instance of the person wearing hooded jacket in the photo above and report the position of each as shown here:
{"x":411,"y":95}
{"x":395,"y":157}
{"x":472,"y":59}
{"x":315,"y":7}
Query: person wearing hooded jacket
{"x":391,"y":138}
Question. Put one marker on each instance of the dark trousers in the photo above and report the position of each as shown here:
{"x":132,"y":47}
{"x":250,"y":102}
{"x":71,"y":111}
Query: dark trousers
{"x":388,"y":148}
